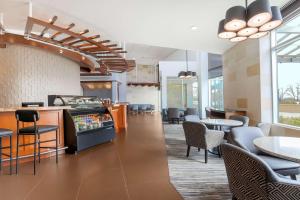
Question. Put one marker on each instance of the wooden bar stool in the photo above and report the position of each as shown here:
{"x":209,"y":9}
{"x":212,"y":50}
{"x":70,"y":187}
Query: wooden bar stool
{"x":35,"y":130}
{"x":6,"y":133}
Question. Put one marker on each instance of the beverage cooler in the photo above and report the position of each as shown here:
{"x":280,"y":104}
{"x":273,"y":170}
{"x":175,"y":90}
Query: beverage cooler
{"x":86,"y":124}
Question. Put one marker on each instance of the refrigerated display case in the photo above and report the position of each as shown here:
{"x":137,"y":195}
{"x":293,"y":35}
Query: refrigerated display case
{"x":86,"y":124}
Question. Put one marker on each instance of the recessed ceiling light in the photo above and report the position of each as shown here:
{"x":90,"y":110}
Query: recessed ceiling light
{"x":194,"y":28}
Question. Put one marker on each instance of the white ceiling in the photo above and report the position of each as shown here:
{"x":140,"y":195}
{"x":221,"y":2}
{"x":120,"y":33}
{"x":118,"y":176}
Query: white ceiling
{"x":164,"y":23}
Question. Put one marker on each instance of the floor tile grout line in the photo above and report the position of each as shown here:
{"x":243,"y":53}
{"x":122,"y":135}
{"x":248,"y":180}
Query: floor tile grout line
{"x":123,"y":175}
{"x":35,"y":186}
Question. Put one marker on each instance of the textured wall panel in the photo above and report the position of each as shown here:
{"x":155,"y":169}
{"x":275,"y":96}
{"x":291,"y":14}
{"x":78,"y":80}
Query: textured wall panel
{"x":29,"y":74}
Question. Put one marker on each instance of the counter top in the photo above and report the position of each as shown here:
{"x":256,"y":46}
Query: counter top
{"x":13,"y":109}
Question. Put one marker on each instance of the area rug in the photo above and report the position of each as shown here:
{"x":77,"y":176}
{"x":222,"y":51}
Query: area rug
{"x":192,"y":178}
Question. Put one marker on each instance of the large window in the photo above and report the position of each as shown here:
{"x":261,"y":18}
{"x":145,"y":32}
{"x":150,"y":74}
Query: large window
{"x":286,"y":51}
{"x":216,"y":93}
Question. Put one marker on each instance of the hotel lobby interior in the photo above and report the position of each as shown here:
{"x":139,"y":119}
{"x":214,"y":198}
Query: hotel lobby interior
{"x":150,"y":100}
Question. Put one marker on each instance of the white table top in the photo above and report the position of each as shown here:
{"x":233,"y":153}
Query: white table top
{"x":283,"y":147}
{"x":222,"y":122}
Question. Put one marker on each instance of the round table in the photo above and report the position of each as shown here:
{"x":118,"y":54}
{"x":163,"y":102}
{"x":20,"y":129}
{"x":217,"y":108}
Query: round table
{"x":219,"y":123}
{"x":283,"y":147}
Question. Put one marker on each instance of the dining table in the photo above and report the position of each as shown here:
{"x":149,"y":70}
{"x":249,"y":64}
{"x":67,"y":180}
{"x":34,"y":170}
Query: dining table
{"x":279,"y":146}
{"x":220,"y":123}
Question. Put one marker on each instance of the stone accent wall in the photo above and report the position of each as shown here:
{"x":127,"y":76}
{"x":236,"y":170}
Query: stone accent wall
{"x":241,"y":72}
{"x":143,"y":74}
{"x":30,"y":74}
{"x":248,"y":79}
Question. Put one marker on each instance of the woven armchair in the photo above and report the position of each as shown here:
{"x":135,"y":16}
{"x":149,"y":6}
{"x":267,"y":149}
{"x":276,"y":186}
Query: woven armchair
{"x":197,"y":135}
{"x":251,"y":178}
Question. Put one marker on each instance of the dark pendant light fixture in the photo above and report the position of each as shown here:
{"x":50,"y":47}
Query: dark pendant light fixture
{"x":187,"y":73}
{"x":253,"y":21}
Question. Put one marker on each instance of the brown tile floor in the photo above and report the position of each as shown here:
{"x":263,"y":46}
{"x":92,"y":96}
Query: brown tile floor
{"x":133,"y":167}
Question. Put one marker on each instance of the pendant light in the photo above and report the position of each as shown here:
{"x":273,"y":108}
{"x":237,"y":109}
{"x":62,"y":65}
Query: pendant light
{"x":187,"y":73}
{"x":222,"y":33}
{"x":258,"y":13}
{"x":235,"y":18}
{"x":253,"y":21}
{"x":275,"y":22}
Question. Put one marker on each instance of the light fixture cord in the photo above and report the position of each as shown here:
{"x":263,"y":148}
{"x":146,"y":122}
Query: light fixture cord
{"x":186,"y":59}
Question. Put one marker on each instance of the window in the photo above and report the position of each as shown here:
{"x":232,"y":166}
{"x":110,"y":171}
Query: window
{"x":286,"y":51}
{"x":216,"y":93}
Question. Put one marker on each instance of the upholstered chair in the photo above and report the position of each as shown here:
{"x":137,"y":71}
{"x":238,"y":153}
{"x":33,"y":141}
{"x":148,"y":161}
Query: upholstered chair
{"x":244,"y":136}
{"x":241,"y":118}
{"x":197,"y":135}
{"x":251,"y":178}
{"x":191,"y":111}
{"x":173,"y":115}
{"x":207,"y":112}
{"x":135,"y":108}
{"x":265,"y":128}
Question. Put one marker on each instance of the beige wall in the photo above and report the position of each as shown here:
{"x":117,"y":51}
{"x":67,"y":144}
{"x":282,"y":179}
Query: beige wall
{"x":30,"y":74}
{"x":144,"y":95}
{"x":247,"y":79}
{"x":143,"y":74}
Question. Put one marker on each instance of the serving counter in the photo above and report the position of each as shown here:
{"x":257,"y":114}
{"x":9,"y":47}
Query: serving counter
{"x":48,"y":116}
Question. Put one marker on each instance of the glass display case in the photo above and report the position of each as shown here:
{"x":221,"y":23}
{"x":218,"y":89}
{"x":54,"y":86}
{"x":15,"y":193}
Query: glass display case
{"x":86,"y":124}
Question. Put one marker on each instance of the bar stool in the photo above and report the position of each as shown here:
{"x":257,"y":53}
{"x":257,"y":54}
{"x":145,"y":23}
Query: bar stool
{"x":6,"y":133}
{"x":35,"y":130}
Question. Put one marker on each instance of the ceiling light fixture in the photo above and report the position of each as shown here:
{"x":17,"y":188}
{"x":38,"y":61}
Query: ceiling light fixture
{"x":253,"y":21}
{"x":194,"y":28}
{"x":186,"y":74}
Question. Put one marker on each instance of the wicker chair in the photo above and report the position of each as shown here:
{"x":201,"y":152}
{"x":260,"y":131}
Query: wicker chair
{"x":197,"y":135}
{"x":244,"y":136}
{"x":251,"y":178}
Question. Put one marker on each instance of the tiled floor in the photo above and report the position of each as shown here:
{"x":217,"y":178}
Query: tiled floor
{"x":133,"y":167}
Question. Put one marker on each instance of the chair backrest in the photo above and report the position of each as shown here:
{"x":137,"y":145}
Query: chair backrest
{"x":195,"y":134}
{"x":207,"y":112}
{"x":173,"y":113}
{"x":27,"y":115}
{"x":134,"y":107}
{"x":191,"y":111}
{"x":265,"y":128}
{"x":244,"y":136}
{"x":240,"y":118}
{"x":192,"y":118}
{"x":248,"y":175}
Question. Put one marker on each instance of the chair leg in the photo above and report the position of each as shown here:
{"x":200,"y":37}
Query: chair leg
{"x":188,"y":151}
{"x":39,"y":148}
{"x":206,"y":155}
{"x":293,"y":177}
{"x":10,"y":155}
{"x":34,"y":154}
{"x":17,"y":154}
{"x":198,"y":149}
{"x":219,"y":151}
{"x":56,"y":145}
{"x":0,"y":153}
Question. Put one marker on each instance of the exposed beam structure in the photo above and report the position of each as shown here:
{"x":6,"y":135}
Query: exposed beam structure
{"x":51,"y":21}
{"x":107,"y":55}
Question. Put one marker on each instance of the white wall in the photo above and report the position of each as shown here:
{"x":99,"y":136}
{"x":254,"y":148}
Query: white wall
{"x":172,"y":68}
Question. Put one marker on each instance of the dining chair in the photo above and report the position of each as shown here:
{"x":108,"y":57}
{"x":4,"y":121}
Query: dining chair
{"x":197,"y":135}
{"x":190,"y":111}
{"x":265,"y":128}
{"x":244,"y":136}
{"x":192,"y":118}
{"x":250,"y":177}
{"x":173,"y":115}
{"x":241,"y":118}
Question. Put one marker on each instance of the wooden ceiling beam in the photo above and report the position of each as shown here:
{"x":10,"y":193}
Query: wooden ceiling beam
{"x":81,"y":40}
{"x":59,"y":33}
{"x":88,"y":45}
{"x":51,"y":21}
{"x":111,"y":45}
{"x":72,"y":37}
{"x":107,"y":57}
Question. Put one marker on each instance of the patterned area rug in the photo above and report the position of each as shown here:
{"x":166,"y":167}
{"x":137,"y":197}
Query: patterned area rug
{"x":192,"y":178}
